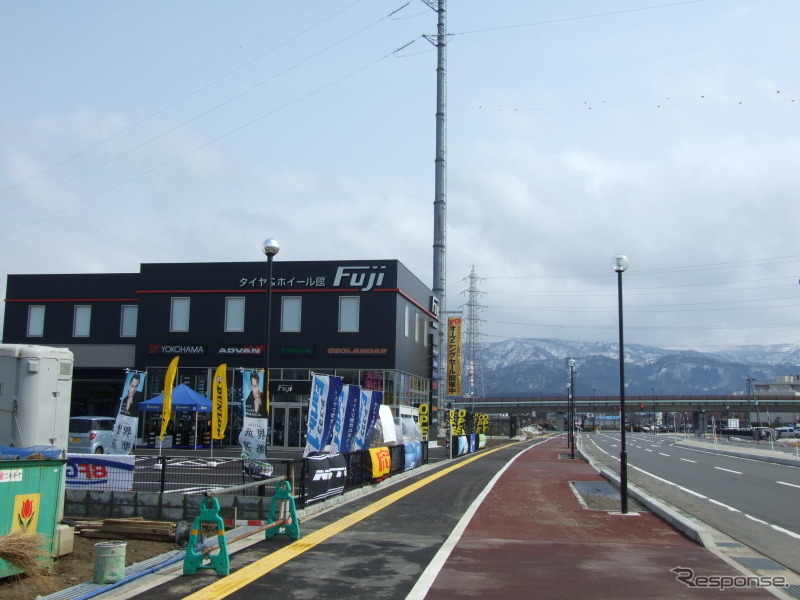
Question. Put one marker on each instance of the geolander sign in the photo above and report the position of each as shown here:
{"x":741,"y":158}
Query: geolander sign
{"x":358,"y":351}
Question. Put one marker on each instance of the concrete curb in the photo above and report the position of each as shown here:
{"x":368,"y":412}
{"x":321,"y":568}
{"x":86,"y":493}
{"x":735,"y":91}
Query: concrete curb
{"x":695,"y":531}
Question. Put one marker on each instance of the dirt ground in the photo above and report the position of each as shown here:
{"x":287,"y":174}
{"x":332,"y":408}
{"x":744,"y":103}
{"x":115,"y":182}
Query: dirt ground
{"x":75,"y":568}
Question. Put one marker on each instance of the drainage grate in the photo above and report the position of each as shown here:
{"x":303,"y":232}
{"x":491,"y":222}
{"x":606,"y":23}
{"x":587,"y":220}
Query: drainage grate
{"x":760,"y":563}
{"x":601,"y":495}
{"x":793,"y":590}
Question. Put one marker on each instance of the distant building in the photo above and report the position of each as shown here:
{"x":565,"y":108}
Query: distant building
{"x":784,"y":385}
{"x":371,"y":322}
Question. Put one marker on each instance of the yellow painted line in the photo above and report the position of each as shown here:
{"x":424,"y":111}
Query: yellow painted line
{"x":237,"y":580}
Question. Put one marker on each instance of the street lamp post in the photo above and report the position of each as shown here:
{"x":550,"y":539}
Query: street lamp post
{"x":572,"y":408}
{"x":270,"y":248}
{"x":619,"y":264}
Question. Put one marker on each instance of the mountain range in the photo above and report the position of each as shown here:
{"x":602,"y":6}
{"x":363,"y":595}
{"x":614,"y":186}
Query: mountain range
{"x":538,"y":367}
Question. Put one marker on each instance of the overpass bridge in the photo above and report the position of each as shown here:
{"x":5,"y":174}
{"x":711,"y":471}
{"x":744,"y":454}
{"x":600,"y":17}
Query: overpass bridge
{"x":723,"y":404}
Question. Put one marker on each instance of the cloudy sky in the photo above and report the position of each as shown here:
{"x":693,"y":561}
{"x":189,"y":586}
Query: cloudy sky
{"x":191,"y":130}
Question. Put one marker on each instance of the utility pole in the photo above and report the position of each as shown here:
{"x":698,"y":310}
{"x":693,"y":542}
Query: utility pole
{"x":440,"y":174}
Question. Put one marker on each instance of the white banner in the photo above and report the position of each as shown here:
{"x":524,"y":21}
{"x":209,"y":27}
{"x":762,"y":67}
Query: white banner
{"x":127,"y":423}
{"x":255,"y":426}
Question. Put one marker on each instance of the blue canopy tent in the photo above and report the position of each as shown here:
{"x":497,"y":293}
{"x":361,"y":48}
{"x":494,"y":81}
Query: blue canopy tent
{"x":184,"y":399}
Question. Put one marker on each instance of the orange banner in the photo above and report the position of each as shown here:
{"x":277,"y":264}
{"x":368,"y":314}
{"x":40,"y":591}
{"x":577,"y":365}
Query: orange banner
{"x":381,"y":462}
{"x":454,"y":356}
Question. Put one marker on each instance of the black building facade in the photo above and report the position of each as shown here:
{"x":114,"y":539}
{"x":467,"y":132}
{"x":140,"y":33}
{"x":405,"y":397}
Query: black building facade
{"x":371,"y":322}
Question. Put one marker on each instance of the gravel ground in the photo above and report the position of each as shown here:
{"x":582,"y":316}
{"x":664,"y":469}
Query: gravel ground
{"x":76,"y":568}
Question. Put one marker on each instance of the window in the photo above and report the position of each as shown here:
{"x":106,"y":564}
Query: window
{"x":179,"y":315}
{"x":348,"y":313}
{"x":425,"y":332}
{"x":416,"y":326}
{"x":36,"y":321}
{"x":82,"y":321}
{"x":234,"y":314}
{"x":127,"y":321}
{"x":406,"y":320}
{"x":291,"y":308}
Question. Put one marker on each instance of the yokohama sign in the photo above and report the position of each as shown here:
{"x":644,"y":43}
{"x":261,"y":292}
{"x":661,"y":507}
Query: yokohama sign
{"x":177,"y":349}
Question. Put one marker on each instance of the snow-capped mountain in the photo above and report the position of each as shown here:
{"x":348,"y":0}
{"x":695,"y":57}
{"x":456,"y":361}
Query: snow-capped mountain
{"x":523,"y":367}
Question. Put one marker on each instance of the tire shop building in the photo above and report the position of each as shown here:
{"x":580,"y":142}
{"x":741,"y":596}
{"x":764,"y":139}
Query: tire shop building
{"x":371,"y":322}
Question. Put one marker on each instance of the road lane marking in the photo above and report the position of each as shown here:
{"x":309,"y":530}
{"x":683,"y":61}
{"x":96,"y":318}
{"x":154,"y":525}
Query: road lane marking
{"x":425,"y":581}
{"x":789,"y":484}
{"x":692,"y":492}
{"x":728,"y":470}
{"x":786,"y":531}
{"x":249,"y":573}
{"x":718,"y":503}
{"x":663,"y":454}
{"x":752,"y":518}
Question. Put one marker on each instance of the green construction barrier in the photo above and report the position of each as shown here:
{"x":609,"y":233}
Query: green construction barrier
{"x":30,"y":501}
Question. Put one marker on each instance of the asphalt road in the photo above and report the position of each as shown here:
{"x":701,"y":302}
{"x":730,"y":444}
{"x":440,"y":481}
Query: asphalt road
{"x":381,"y":555}
{"x":754,"y":502}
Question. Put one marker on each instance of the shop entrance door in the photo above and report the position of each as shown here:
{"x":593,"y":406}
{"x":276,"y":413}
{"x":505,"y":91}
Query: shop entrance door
{"x":288,"y":426}
{"x":295,"y":427}
{"x":278,"y":426}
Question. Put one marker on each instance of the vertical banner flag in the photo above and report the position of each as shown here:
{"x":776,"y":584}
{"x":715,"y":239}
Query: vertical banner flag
{"x":219,"y":403}
{"x":454,"y":356}
{"x":316,"y":410}
{"x":369,"y":405}
{"x":169,"y":383}
{"x":323,"y":407}
{"x":347,"y":419}
{"x":126,"y":427}
{"x":255,"y":428}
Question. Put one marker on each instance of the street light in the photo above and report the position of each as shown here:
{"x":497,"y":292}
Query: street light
{"x":572,"y":408}
{"x":619,"y":264}
{"x":270,"y":248}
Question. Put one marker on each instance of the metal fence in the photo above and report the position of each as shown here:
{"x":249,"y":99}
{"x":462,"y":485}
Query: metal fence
{"x":195,"y":475}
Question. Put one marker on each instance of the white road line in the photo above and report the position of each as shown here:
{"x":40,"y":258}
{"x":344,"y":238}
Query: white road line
{"x":789,"y":484}
{"x":648,"y":450}
{"x":752,"y":518}
{"x":692,"y":492}
{"x":728,"y":470}
{"x":786,"y":531}
{"x":428,"y":576}
{"x":663,"y":454}
{"x":718,"y":503}
{"x":689,"y":460}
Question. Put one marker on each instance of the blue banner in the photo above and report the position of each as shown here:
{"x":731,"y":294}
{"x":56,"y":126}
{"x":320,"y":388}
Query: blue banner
{"x":332,"y":409}
{"x":369,"y":405}
{"x":323,"y":406}
{"x":344,"y":429}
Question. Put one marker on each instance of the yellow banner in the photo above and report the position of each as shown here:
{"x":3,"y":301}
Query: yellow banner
{"x":219,"y":402}
{"x":169,"y":383}
{"x":454,"y":356}
{"x":381,"y":462}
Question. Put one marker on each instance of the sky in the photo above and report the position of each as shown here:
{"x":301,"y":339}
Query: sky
{"x":191,"y":130}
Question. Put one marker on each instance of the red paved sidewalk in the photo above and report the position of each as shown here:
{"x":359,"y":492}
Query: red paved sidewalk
{"x":530,"y":538}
